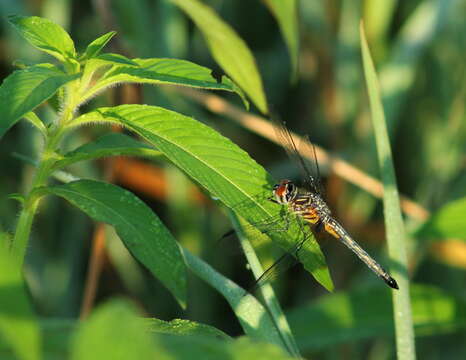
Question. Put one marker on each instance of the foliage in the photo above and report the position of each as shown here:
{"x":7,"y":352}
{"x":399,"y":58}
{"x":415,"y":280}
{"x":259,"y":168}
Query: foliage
{"x":67,"y":86}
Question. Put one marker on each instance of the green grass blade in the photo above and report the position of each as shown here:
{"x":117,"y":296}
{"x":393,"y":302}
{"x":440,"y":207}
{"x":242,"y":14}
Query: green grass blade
{"x":266,"y":290}
{"x":228,"y":49}
{"x":286,"y":13}
{"x":394,"y":226}
{"x":253,"y":317}
{"x":138,"y":227}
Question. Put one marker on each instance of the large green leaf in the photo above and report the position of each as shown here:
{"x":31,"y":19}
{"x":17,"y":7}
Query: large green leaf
{"x":153,"y":71}
{"x":228,"y":49}
{"x":286,"y":14}
{"x":113,"y":144}
{"x":446,"y":223}
{"x":367,"y":313}
{"x":19,"y":327}
{"x":23,"y":90}
{"x":45,"y":35}
{"x":135,"y":223}
{"x":114,"y":331}
{"x":220,"y":166}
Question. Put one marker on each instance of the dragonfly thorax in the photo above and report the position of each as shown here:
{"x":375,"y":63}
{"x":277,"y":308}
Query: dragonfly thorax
{"x":300,"y":201}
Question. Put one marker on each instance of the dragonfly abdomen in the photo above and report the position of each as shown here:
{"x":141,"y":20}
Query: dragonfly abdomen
{"x":346,"y":239}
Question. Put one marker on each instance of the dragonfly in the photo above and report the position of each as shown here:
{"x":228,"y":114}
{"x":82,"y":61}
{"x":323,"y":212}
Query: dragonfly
{"x":308,"y":204}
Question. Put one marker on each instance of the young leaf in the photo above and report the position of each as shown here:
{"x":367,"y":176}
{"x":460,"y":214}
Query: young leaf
{"x":286,"y":14}
{"x":228,"y":49}
{"x":23,"y":90}
{"x":220,"y":166}
{"x":18,"y":326}
{"x":135,"y":223}
{"x":114,"y":144}
{"x":114,"y":331}
{"x":155,"y":71}
{"x":446,"y":223}
{"x":45,"y":35}
{"x":93,"y":49}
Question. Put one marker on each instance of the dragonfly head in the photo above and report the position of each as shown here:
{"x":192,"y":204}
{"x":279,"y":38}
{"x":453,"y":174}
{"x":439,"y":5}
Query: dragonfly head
{"x":284,"y":192}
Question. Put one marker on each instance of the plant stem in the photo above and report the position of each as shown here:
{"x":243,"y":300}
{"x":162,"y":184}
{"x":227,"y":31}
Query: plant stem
{"x":31,"y":202}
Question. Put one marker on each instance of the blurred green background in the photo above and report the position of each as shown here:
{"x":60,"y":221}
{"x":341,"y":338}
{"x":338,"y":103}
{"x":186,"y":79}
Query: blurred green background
{"x":419,"y":48}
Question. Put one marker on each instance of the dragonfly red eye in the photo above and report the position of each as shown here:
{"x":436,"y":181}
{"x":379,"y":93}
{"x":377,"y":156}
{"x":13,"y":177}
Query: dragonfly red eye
{"x":280,"y":190}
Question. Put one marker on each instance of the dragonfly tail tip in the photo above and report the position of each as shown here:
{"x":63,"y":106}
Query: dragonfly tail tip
{"x":391,"y":282}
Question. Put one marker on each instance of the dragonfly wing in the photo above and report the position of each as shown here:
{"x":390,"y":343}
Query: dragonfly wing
{"x":282,"y":264}
{"x":285,"y":136}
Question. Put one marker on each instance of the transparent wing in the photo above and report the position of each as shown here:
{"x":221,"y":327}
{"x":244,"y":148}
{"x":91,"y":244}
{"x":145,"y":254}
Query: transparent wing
{"x":285,"y":137}
{"x":282,"y":264}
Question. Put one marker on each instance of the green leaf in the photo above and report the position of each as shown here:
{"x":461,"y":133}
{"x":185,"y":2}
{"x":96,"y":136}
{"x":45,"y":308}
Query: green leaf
{"x":23,"y":90}
{"x":183,"y":327}
{"x":18,"y":325}
{"x":114,"y":331}
{"x":114,"y":144}
{"x":34,"y":120}
{"x":446,"y":223}
{"x":367,"y":313}
{"x":394,"y":226}
{"x":94,"y":48}
{"x":286,"y":14}
{"x":45,"y":35}
{"x":228,"y":49}
{"x":135,"y":223}
{"x":154,"y":71}
{"x":220,"y":166}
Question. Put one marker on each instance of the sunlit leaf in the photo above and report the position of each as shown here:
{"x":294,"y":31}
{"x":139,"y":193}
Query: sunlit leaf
{"x":23,"y":90}
{"x":228,"y":49}
{"x":45,"y":35}
{"x":93,"y":49}
{"x":154,"y":71}
{"x":221,"y":167}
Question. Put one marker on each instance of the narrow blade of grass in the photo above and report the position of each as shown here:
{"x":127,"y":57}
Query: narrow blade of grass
{"x":392,"y":212}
